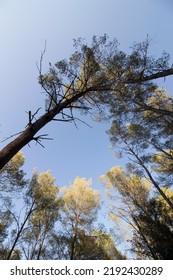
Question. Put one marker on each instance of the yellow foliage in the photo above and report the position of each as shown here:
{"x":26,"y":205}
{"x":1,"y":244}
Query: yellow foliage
{"x":46,"y":187}
{"x":163,"y":161}
{"x":15,"y":163}
{"x":113,"y":176}
{"x":128,"y":185}
{"x":18,"y":160}
{"x":81,"y":196}
{"x":46,"y":199}
{"x":45,"y":179}
{"x":159,"y":99}
{"x":166,"y":208}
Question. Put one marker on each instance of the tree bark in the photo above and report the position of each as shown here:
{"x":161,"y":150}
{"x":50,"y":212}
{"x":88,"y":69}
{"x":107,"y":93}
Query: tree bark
{"x":161,"y":74}
{"x":73,"y":242}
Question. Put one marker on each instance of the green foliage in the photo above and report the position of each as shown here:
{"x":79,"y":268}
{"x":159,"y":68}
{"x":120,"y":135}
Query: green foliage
{"x":97,"y":246}
{"x":157,"y":226}
{"x":12,"y":175}
{"x":162,"y":164}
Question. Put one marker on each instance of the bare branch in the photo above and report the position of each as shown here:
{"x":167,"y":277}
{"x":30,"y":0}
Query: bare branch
{"x":11,"y":136}
{"x":32,"y":117}
{"x":41,"y":137}
{"x":60,"y":120}
{"x":41,"y":58}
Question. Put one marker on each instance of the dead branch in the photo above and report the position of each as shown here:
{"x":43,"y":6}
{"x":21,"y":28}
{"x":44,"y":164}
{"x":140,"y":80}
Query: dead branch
{"x":32,"y":117}
{"x":7,"y":138}
{"x":39,"y":138}
{"x":41,"y":58}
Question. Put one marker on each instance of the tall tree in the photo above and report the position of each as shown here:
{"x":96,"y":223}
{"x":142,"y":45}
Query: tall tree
{"x":94,"y":75}
{"x":81,"y":204}
{"x":78,"y":239}
{"x":27,"y":230}
{"x":12,"y":183}
{"x":44,"y":212}
{"x":157,"y":226}
{"x":149,"y":216}
{"x":146,"y":136}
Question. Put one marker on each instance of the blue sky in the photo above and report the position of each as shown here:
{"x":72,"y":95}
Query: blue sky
{"x":24,"y":27}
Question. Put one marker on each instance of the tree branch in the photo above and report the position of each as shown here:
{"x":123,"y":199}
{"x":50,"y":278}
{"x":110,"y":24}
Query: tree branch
{"x":141,"y":79}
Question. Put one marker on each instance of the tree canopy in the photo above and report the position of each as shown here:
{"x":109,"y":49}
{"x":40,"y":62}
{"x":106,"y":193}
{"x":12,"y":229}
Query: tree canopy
{"x":95,"y":76}
{"x":149,"y":216}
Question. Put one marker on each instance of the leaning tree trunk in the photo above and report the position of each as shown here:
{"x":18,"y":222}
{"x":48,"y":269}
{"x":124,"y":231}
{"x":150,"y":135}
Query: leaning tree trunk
{"x":28,"y":134}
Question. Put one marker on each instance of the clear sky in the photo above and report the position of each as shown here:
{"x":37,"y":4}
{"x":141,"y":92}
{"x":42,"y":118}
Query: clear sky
{"x":24,"y":27}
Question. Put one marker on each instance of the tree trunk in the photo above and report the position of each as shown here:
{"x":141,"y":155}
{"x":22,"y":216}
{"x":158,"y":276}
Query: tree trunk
{"x":73,"y":246}
{"x":27,"y":135}
{"x":19,"y":232}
